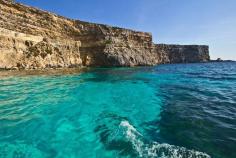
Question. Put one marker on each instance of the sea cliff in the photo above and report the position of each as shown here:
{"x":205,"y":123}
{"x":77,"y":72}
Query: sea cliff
{"x":183,"y":53}
{"x":31,"y":38}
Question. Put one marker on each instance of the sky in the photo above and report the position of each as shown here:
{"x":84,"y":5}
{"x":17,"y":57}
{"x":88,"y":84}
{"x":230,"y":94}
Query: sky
{"x":208,"y":22}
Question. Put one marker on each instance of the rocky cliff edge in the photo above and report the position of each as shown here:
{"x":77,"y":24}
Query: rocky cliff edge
{"x":31,"y":38}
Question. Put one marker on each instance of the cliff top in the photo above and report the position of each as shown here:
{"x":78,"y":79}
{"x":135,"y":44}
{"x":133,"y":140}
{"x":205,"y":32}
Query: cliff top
{"x":180,"y":45}
{"x":19,"y":6}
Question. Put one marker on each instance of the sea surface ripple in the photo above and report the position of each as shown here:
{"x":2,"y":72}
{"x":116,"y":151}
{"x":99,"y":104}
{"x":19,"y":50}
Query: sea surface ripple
{"x":167,"y":111}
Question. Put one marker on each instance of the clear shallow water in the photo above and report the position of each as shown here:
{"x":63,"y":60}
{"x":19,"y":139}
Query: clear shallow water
{"x":172,"y":111}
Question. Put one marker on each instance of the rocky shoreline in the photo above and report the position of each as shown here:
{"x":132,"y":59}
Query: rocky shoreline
{"x":31,"y":38}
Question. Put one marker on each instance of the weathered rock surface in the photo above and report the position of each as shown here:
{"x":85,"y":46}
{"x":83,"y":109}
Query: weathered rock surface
{"x":34,"y":39}
{"x":183,"y":53}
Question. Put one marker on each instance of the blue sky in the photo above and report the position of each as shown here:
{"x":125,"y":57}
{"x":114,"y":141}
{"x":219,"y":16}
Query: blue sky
{"x":211,"y":22}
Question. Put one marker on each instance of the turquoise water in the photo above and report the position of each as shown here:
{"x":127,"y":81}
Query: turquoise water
{"x":171,"y":111}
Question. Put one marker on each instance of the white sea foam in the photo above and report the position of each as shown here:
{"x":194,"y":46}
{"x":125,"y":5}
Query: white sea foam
{"x":155,"y":149}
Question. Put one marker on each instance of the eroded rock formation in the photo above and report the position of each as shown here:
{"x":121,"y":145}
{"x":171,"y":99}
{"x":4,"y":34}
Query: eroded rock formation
{"x":34,"y":39}
{"x":183,"y":53}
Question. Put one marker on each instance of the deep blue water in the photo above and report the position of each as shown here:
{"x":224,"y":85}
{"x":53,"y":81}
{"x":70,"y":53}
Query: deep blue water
{"x":172,"y":111}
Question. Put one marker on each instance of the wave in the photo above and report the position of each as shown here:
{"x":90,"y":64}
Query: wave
{"x":155,"y":149}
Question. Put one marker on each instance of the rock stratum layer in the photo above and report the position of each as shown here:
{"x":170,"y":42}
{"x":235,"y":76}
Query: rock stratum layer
{"x":34,"y":39}
{"x":183,"y":53}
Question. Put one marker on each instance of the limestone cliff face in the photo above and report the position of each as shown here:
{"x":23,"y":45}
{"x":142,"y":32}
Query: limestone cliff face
{"x":183,"y":53}
{"x":34,"y":39}
{"x":103,"y":45}
{"x":19,"y":50}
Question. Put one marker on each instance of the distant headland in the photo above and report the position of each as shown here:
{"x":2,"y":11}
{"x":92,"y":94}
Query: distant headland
{"x":221,"y":60}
